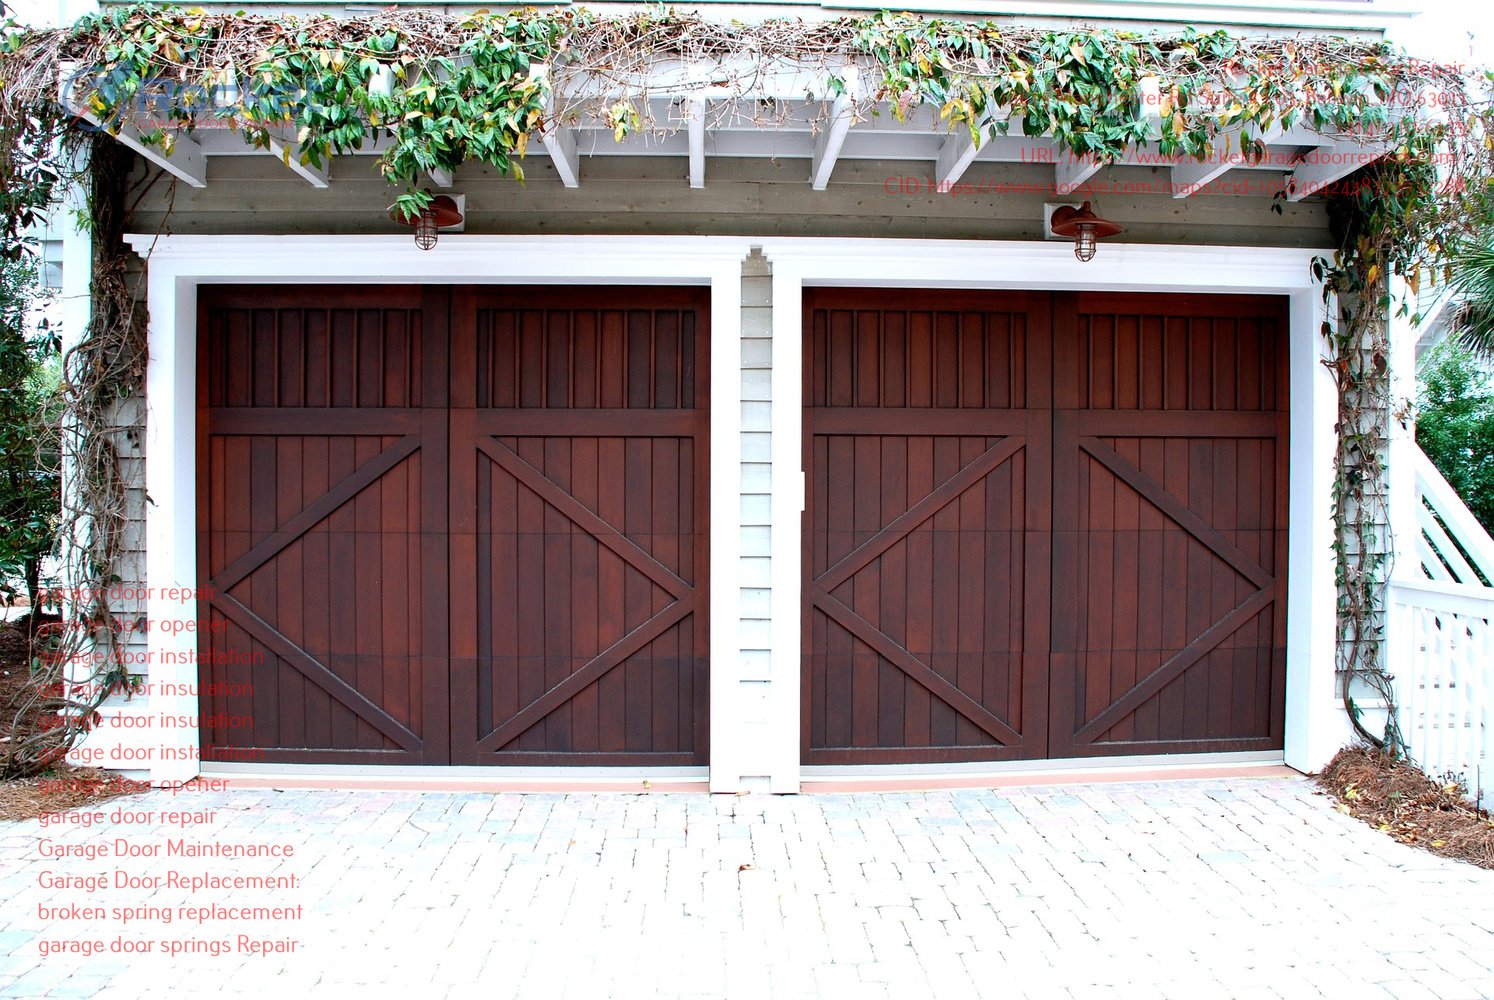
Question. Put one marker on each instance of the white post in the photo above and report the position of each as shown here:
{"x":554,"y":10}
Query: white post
{"x":75,"y":313}
{"x":1401,"y":499}
{"x":171,"y":543}
{"x":731,"y":751}
{"x":787,"y":517}
{"x":1316,"y":725}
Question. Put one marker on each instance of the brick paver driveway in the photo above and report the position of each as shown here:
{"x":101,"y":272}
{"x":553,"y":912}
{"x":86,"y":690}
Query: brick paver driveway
{"x":1200,"y":888}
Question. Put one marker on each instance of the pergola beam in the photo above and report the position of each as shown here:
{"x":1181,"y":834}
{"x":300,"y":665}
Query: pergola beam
{"x":1190,"y":177}
{"x":1328,"y":164}
{"x":833,"y":136}
{"x":1070,"y":172}
{"x":290,"y":154}
{"x":695,"y":122}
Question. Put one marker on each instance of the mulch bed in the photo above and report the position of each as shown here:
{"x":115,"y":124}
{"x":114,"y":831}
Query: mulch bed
{"x":57,"y":788}
{"x":1397,"y":798}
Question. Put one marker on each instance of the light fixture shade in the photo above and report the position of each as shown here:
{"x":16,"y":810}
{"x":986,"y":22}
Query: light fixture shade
{"x":1084,"y":226}
{"x":440,"y":213}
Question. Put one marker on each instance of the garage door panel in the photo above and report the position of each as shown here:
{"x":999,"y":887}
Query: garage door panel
{"x":497,"y":518}
{"x":588,"y":354}
{"x":635,"y":696}
{"x":579,"y":494}
{"x":289,"y":712}
{"x":864,"y":512}
{"x":316,"y":467}
{"x":920,"y":519}
{"x":327,"y":353}
{"x":571,"y":599}
{"x":1145,"y":437}
{"x":1222,"y":699}
{"x":1211,"y":353}
{"x":1171,"y":607}
{"x":891,"y":702}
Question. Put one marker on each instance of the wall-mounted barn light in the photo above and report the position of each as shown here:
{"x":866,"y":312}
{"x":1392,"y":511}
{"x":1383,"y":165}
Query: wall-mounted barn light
{"x":441,"y":213}
{"x":1083,"y":226}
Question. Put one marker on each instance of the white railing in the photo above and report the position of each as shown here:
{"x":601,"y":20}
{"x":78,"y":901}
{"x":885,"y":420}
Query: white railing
{"x":1450,"y":543}
{"x":1441,"y":655}
{"x":1440,"y":636}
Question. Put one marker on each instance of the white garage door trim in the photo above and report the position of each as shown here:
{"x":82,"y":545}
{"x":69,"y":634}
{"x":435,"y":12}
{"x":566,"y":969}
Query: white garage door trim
{"x":178,"y":264}
{"x":1315,"y":727}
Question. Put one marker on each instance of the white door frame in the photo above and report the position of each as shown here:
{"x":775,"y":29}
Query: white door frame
{"x":1315,"y":725}
{"x":178,"y":264}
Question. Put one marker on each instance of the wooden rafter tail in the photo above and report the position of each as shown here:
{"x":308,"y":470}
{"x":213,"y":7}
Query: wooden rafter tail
{"x":1332,"y":162}
{"x":955,"y":156}
{"x":560,"y":142}
{"x":186,"y":161}
{"x":832,"y":137}
{"x":1071,"y":172}
{"x":1336,"y":160}
{"x":1191,"y":177}
{"x":288,"y":151}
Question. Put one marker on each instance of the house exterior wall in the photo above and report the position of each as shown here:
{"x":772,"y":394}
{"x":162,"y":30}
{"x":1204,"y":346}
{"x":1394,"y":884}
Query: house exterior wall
{"x":755,"y":665}
{"x":743,"y":197}
{"x":755,"y":697}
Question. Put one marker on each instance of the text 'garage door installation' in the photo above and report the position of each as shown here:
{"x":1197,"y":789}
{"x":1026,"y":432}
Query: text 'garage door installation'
{"x":1042,"y":526}
{"x":455,"y":525}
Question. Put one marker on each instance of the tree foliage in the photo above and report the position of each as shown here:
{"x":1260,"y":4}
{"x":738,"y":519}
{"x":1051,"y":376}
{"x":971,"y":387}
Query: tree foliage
{"x":1472,"y":279}
{"x":29,"y":487}
{"x":1455,"y":423}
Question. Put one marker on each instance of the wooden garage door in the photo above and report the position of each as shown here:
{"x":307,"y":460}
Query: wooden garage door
{"x":427,"y":543}
{"x":1042,"y":526}
{"x":927,"y":441}
{"x":1170,"y":494}
{"x":579,"y":479}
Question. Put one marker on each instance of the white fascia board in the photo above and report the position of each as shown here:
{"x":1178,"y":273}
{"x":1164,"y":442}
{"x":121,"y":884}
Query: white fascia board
{"x":846,"y":261}
{"x":1025,"y":264}
{"x":495,"y":259}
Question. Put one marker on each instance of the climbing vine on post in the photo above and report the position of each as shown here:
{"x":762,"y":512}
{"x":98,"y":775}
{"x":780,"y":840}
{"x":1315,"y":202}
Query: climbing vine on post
{"x":440,"y":90}
{"x":1406,"y":214}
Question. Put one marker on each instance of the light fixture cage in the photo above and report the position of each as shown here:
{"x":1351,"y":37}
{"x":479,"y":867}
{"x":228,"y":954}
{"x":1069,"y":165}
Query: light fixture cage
{"x":426,"y":230}
{"x":441,"y":213}
{"x":1085,"y":243}
{"x":1084,"y":227}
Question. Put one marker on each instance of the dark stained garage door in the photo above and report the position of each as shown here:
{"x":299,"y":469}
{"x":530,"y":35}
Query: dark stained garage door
{"x":454,"y":526}
{"x":1042,"y":525}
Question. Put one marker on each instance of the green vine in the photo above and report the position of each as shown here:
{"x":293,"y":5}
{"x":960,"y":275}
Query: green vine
{"x":441,"y":91}
{"x":1396,"y":220}
{"x":437,"y":91}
